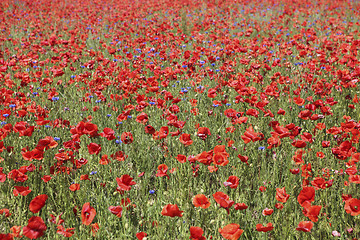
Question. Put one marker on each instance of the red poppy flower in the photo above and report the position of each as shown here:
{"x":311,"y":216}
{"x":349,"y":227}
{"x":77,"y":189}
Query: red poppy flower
{"x":24,"y":129}
{"x":231,"y":231}
{"x":94,"y":229}
{"x":325,"y":144}
{"x":35,"y":228}
{"x":205,"y":158}
{"x":354,"y":179}
{"x":306,"y":194}
{"x":311,"y":211}
{"x":251,"y":135}
{"x":280,"y":131}
{"x":299,"y":143}
{"x":262,"y":188}
{"x":171,"y":210}
{"x":141,"y":235}
{"x":57,"y":220}
{"x":2,"y":175}
{"x":104,"y":160}
{"x":305,"y":226}
{"x":351,"y":171}
{"x":320,"y":155}
{"x":212,"y":168}
{"x":74,"y":187}
{"x":267,"y":212}
{"x":281,"y":111}
{"x":261,"y":228}
{"x":201,"y":200}
{"x":232,"y":182}
{"x":125,"y":182}
{"x":186,"y":139}
{"x":116,"y":210}
{"x":352,"y":206}
{"x":17,"y":176}
{"x":211,"y":93}
{"x":240,"y":206}
{"x":37,"y":154}
{"x":37,"y":203}
{"x":344,"y":151}
{"x":163,"y":132}
{"x":90,"y":129}
{"x":231,"y":113}
{"x":6,"y":236}
{"x":305,"y":114}
{"x":46,"y":143}
{"x":87,"y":214}
{"x":279,"y":206}
{"x":252,"y":112}
{"x":149,"y":129}
{"x":295,"y":171}
{"x":84,"y":177}
{"x":15,"y":231}
{"x":142,"y":118}
{"x":6,"y":211}
{"x":119,"y":155}
{"x":203,"y":132}
{"x":318,"y":183}
{"x":68,"y":232}
{"x":196,"y":233}
{"x":162,"y":171}
{"x":23,"y":191}
{"x":181,"y":158}
{"x":281,"y":195}
{"x":108,"y":133}
{"x":273,"y":142}
{"x":94,"y":148}
{"x":220,"y":159}
{"x":244,"y":159}
{"x":46,"y":178}
{"x":299,"y":101}
{"x":223,"y":200}
{"x":126,"y":203}
{"x":127,"y":137}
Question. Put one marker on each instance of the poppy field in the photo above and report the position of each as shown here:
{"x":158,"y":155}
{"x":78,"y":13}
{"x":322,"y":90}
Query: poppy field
{"x":179,"y":119}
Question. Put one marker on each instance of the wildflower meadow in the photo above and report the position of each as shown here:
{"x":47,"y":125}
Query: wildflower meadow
{"x":181,"y":119}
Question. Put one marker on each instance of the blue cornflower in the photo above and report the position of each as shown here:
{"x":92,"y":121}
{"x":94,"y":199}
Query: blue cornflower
{"x":152,"y":191}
